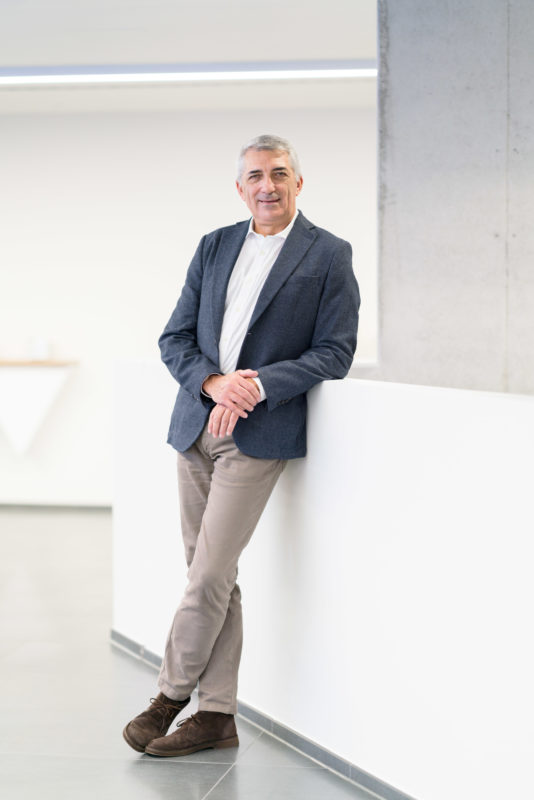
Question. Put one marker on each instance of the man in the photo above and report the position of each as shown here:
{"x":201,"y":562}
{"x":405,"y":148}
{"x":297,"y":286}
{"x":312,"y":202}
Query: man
{"x":269,"y":309}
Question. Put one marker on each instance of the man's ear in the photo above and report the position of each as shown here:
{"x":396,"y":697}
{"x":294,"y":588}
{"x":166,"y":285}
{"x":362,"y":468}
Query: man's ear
{"x":239,"y":190}
{"x":299,"y":184}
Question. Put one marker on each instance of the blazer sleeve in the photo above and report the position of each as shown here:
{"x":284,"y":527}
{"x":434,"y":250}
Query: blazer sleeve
{"x":178,"y":343}
{"x":334,"y":337}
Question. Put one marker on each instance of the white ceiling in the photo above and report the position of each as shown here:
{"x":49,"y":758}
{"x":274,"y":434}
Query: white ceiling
{"x":63,"y":32}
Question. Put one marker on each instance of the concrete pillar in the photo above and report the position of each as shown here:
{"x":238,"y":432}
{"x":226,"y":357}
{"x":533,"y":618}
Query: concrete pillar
{"x":456,"y":126}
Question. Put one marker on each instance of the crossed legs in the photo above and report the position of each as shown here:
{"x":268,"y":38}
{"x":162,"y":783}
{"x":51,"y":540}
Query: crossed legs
{"x":222,"y":495}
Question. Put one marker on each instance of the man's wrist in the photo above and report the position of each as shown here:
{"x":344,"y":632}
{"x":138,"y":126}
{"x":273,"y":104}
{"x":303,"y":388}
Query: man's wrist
{"x":203,"y":387}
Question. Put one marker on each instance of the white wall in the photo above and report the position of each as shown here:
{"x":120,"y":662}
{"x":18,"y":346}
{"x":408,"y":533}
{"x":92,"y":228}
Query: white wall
{"x":387,"y":589}
{"x":101,"y":213}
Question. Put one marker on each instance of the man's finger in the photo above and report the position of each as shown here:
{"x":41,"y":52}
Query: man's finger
{"x":230,"y":422}
{"x":235,"y":407}
{"x":222,"y":421}
{"x":233,"y":423}
{"x":244,"y":386}
{"x":244,"y":392}
{"x":223,"y":428}
{"x":238,"y":400}
{"x":215,"y":420}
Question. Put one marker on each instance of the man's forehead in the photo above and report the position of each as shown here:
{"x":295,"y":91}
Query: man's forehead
{"x":265,"y":159}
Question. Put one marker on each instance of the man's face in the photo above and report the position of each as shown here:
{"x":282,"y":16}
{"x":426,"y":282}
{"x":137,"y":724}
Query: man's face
{"x":269,"y":187}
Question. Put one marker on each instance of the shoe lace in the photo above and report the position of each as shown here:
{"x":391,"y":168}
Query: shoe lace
{"x":193,"y":719}
{"x":161,"y":708}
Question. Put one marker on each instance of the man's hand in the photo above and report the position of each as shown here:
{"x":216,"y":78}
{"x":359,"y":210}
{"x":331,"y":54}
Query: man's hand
{"x":222,"y":421}
{"x":236,"y":392}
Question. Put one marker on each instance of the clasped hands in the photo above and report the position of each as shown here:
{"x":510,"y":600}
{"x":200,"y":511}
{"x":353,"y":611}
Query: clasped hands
{"x":235,"y":395}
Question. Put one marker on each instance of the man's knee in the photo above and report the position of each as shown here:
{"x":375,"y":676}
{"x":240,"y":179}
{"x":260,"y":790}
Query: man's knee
{"x":210,"y":586}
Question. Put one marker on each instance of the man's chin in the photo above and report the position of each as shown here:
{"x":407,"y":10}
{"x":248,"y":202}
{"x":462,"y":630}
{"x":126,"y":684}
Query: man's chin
{"x":273,"y":210}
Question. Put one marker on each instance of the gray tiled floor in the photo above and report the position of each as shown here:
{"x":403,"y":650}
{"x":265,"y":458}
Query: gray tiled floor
{"x":66,"y":693}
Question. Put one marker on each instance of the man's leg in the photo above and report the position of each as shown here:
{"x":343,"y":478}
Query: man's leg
{"x":205,"y":638}
{"x":217,"y":686}
{"x":194,"y":479}
{"x":195,"y":470}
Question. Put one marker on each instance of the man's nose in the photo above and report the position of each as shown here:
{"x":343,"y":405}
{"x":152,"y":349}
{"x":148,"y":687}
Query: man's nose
{"x":267,"y":184}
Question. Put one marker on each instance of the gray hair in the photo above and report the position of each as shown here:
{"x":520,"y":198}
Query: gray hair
{"x":268,"y":142}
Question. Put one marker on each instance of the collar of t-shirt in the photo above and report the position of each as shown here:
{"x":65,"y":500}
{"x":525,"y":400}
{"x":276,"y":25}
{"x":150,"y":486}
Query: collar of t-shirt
{"x":249,"y":274}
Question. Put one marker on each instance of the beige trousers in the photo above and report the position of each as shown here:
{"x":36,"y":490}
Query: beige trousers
{"x":222,"y":495}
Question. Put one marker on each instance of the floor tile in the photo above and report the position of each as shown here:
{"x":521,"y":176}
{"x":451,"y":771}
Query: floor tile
{"x":244,"y":782}
{"x":45,"y":778}
{"x":268,"y":751}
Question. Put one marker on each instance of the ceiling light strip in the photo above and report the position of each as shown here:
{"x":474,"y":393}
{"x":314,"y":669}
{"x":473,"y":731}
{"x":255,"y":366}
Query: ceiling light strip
{"x":140,"y":78}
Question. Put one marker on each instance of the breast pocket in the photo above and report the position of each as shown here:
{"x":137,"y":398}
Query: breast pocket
{"x":302,"y":287}
{"x":298,"y":300}
{"x":303,"y":283}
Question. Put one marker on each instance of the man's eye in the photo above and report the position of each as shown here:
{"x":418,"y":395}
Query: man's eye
{"x":280,"y":174}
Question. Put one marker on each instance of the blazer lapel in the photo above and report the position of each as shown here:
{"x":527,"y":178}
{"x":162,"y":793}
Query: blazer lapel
{"x":295,"y":248}
{"x":225,"y":259}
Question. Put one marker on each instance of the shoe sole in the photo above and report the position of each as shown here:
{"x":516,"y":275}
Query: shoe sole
{"x":131,"y":742}
{"x":186,"y":751}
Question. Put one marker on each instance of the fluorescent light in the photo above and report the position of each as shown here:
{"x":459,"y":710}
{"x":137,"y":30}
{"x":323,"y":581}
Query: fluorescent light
{"x":140,"y":78}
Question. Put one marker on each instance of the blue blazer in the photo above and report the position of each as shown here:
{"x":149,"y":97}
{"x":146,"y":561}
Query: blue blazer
{"x":302,"y":331}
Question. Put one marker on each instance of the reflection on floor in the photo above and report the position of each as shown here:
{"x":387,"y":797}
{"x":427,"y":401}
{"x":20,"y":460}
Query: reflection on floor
{"x":67,"y":693}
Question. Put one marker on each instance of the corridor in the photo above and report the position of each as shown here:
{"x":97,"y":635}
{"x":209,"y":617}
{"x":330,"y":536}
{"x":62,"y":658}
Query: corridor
{"x":67,"y":692}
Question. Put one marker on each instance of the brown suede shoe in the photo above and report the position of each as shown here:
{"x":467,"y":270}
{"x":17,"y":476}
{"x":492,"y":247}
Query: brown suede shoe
{"x":153,"y":722}
{"x":203,"y":730}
